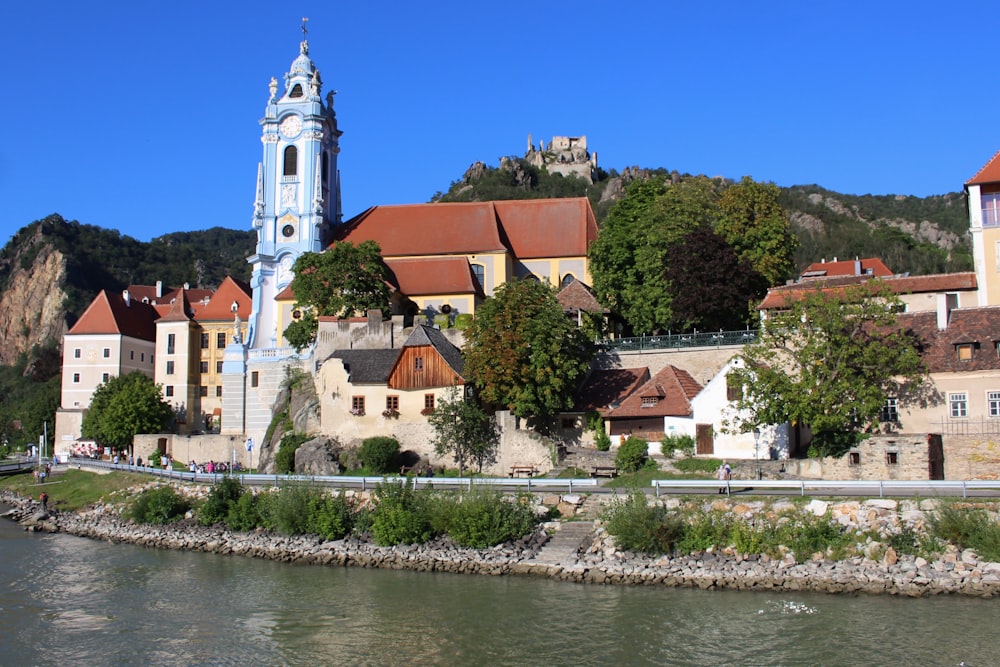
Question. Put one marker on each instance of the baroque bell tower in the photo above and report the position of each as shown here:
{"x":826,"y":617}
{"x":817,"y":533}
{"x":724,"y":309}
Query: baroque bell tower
{"x":297,"y":203}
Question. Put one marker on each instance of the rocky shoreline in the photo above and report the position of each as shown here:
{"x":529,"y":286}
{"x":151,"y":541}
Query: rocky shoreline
{"x":596,"y":562}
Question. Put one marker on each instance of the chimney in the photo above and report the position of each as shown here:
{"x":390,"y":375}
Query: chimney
{"x":857,"y":267}
{"x":946,"y":303}
{"x":126,"y":298}
{"x":187,"y":285}
{"x":159,"y":289}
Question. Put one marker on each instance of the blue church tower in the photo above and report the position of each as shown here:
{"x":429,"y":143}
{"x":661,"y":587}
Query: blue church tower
{"x":297,"y":204}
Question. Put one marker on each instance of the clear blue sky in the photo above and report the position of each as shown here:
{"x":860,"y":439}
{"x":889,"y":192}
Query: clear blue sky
{"x":142,"y":116}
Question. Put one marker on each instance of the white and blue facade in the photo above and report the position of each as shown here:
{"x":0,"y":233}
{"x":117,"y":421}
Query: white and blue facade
{"x":297,"y":203}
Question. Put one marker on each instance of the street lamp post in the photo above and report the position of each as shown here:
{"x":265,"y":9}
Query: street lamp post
{"x":756,"y":451}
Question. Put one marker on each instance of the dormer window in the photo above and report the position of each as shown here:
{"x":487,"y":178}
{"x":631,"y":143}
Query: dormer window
{"x":650,"y":401}
{"x":965,"y":351}
{"x":296,"y":91}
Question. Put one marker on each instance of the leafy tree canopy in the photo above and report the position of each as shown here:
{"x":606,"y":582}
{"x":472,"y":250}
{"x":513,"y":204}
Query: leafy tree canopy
{"x":344,"y":280}
{"x":522,"y":351}
{"x":754,"y":223}
{"x":463,"y":429}
{"x":123,"y":407}
{"x":700,"y":300}
{"x":829,"y":361}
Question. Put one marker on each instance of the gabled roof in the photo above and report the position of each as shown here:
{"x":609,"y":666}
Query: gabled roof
{"x":140,"y":292}
{"x":220,"y":304}
{"x":434,"y":275}
{"x":672,"y":388}
{"x":427,"y":229}
{"x":109,"y":314}
{"x":538,"y":228}
{"x":577,"y":297}
{"x":779,"y":297}
{"x":857,"y":267}
{"x":607,"y":387}
{"x":990,"y":173}
{"x":180,"y":309}
{"x":423,"y":335}
{"x":367,"y":366}
{"x":528,"y":228}
{"x":979,"y":326}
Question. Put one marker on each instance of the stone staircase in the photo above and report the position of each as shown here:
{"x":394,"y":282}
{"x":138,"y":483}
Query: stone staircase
{"x":563,"y":548}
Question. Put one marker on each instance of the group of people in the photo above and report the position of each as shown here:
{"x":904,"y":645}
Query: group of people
{"x":214,"y":467}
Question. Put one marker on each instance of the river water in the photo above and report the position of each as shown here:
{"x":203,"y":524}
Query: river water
{"x":74,"y":601}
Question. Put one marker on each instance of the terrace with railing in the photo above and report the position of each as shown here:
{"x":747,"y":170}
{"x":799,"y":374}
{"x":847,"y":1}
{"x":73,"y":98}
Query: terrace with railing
{"x":672,"y":341}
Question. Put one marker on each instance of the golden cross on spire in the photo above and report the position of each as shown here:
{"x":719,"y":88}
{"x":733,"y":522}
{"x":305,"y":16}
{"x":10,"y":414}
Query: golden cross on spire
{"x":304,"y":22}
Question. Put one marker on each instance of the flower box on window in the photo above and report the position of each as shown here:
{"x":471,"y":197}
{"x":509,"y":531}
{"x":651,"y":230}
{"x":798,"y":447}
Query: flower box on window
{"x":390,"y":413}
{"x":358,"y":412}
{"x":426,"y":411}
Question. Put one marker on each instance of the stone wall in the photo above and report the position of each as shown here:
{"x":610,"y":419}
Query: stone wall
{"x":703,"y":363}
{"x":971,"y":456}
{"x":200,"y":448}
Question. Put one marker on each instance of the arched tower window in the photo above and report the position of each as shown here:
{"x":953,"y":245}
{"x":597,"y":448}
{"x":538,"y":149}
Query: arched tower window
{"x":568,"y":279}
{"x":296,"y":91}
{"x":291,"y":161}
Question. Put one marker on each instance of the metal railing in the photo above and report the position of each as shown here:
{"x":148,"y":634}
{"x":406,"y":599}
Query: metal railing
{"x":970,"y":426}
{"x":346,"y":481}
{"x":833,"y":487}
{"x":672,"y":341}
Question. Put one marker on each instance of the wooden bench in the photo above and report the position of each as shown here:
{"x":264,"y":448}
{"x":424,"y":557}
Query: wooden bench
{"x":522,"y":471}
{"x":604,"y":471}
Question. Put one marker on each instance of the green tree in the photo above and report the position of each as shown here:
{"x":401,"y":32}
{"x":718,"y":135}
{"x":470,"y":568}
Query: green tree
{"x":123,"y":407}
{"x":628,"y":258}
{"x":463,"y":429}
{"x":344,"y":280}
{"x":522,"y":351}
{"x":829,"y":361}
{"x":757,"y":227}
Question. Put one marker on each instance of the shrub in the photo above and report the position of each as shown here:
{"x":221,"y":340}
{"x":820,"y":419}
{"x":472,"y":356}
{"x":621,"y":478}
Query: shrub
{"x":159,"y":506}
{"x":244,"y":515}
{"x":638,"y":526}
{"x":674,"y":443}
{"x":331,"y":516}
{"x":602,"y":441}
{"x":284,"y":460}
{"x":221,"y":498}
{"x":379,"y":454}
{"x":967,"y":528}
{"x":288,"y":509}
{"x":401,"y":515}
{"x":485,"y":518}
{"x":631,"y":454}
{"x":463,"y":320}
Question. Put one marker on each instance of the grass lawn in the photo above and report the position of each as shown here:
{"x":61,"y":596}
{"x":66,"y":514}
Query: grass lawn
{"x":72,"y":489}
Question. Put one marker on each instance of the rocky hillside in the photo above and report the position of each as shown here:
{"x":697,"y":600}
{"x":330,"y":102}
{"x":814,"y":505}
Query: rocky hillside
{"x":917,"y":235}
{"x":51,"y":270}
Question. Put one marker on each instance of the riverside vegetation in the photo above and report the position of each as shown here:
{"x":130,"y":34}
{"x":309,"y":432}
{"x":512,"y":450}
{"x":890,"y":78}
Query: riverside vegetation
{"x":909,"y":547}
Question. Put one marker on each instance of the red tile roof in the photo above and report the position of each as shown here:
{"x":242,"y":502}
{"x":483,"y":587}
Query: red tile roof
{"x":577,"y":297}
{"x":779,"y":297}
{"x":604,"y":388}
{"x":180,"y":309}
{"x":854,"y":267}
{"x":990,"y":173}
{"x":219,"y":306}
{"x":108,"y":314}
{"x":141,"y":292}
{"x":538,"y":228}
{"x":530,"y":228}
{"x":438,"y":275}
{"x":673,"y":388}
{"x":980,"y":326}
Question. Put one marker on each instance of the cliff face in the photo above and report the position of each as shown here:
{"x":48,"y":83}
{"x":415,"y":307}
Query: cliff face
{"x":31,"y":303}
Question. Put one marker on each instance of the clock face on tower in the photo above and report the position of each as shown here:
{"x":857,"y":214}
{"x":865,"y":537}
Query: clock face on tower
{"x":291,"y":126}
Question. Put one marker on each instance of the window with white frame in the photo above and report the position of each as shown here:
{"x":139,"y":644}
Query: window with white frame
{"x":890,"y":411}
{"x":958,"y":404}
{"x":991,"y":209}
{"x":993,"y":403}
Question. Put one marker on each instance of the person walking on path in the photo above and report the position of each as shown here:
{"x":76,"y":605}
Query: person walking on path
{"x":725,"y":474}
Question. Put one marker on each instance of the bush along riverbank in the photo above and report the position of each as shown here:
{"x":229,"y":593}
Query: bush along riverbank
{"x":909,"y":547}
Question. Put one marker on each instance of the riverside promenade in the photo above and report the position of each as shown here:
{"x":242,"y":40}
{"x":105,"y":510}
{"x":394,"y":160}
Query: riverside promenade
{"x":577,"y":551}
